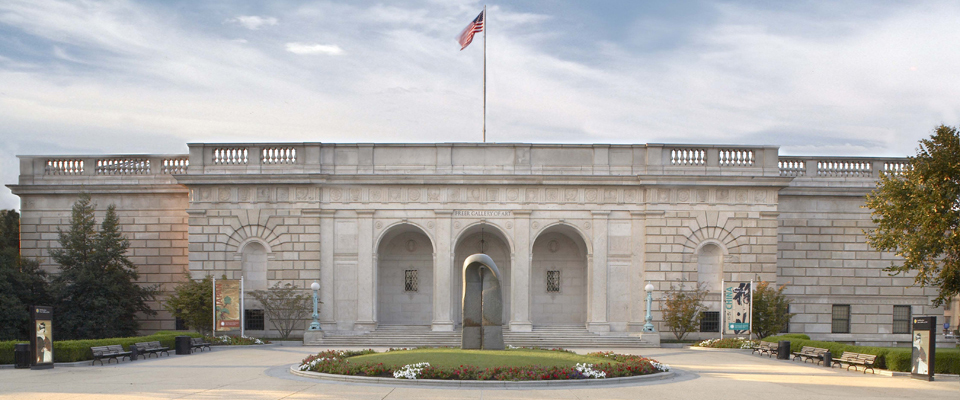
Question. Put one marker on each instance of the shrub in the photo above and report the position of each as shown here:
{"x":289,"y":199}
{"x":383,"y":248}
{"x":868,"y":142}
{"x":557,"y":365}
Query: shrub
{"x":727,"y":343}
{"x":682,"y":308}
{"x":79,"y":350}
{"x":894,"y":359}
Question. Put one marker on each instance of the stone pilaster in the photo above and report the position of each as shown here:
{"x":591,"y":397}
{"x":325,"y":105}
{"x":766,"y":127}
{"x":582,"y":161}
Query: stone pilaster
{"x":597,"y":276}
{"x":366,"y":273}
{"x":520,"y":274}
{"x":442,"y":273}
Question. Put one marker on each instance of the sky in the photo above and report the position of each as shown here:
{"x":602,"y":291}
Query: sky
{"x":853,"y":78}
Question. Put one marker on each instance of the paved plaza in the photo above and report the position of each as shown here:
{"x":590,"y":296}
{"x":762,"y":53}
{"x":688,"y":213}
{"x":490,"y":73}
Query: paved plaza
{"x":262,"y":373}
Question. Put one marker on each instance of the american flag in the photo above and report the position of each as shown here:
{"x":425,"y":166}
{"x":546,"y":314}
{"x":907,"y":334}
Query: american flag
{"x":472,"y":28}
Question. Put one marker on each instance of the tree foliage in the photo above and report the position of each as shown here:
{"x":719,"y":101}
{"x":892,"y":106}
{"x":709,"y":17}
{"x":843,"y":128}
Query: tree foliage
{"x":683,"y":309}
{"x":771,"y":310}
{"x":192,"y":302}
{"x":917,"y":213}
{"x":285,"y":306}
{"x":96,"y":290}
{"x":22,"y":282}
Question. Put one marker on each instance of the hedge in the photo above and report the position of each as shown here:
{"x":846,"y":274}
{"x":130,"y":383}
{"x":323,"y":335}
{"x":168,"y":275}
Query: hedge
{"x":79,"y":350}
{"x":891,"y":358}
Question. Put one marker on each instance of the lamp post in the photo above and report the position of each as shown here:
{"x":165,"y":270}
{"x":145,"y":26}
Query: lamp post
{"x":315,"y":325}
{"x":648,"y":327}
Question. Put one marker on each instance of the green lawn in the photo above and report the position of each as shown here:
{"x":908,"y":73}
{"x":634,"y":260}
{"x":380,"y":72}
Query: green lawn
{"x":480,"y":358}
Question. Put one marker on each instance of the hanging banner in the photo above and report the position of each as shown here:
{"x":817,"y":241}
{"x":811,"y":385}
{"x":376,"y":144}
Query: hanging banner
{"x":737,"y":307}
{"x":924,"y":349}
{"x":42,"y":338}
{"x":226,"y":305}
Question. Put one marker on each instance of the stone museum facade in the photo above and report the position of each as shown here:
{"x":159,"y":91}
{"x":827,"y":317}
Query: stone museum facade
{"x":576,"y":230}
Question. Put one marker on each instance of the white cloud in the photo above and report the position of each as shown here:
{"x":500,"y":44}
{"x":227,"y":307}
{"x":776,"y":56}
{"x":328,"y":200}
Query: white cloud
{"x":253,"y":22}
{"x":314,"y":48}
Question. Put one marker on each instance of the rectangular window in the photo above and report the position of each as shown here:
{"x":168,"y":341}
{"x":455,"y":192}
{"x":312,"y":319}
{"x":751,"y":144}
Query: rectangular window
{"x":410,"y":281}
{"x":710,"y":321}
{"x":553,"y":281}
{"x":181,"y":326}
{"x":841,"y":318}
{"x":253,"y":320}
{"x":901,"y":319}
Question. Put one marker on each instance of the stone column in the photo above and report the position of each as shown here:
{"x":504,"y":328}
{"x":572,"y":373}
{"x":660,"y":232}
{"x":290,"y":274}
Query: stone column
{"x":520,"y":274}
{"x":597,"y":278}
{"x":442,"y":270}
{"x":366,"y":273}
{"x":327,"y":277}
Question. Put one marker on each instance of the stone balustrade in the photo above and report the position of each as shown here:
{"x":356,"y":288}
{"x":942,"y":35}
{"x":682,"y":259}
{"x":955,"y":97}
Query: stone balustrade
{"x":462,"y":159}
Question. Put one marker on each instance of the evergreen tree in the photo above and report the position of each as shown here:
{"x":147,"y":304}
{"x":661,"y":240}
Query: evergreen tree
{"x":22,"y":282}
{"x":97,"y":293}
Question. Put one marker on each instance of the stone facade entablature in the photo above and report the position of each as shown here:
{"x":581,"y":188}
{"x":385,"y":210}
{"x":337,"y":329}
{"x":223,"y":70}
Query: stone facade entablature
{"x":372,"y":221}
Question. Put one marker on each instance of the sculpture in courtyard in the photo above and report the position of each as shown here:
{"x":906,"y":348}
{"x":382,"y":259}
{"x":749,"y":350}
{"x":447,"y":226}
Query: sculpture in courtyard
{"x":482,"y":304}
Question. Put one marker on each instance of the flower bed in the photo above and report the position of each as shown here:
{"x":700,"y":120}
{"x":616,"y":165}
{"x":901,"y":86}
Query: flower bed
{"x":234,"y":340}
{"x":728,"y":343}
{"x":338,"y":362}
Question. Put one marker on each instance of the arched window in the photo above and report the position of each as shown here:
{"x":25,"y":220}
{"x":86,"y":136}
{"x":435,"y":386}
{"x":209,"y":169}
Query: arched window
{"x":710,"y":267}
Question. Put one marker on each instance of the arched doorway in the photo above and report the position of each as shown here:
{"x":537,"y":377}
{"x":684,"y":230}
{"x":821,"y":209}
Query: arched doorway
{"x":487,"y":239}
{"x":404,"y":277}
{"x":558,"y":278}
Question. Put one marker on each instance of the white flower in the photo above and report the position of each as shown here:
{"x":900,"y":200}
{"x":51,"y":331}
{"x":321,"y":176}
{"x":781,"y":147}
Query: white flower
{"x":588,"y":371}
{"x":410,"y":371}
{"x":660,"y":366}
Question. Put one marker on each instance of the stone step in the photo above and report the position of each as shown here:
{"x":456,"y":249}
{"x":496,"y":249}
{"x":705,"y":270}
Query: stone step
{"x":421,"y":335}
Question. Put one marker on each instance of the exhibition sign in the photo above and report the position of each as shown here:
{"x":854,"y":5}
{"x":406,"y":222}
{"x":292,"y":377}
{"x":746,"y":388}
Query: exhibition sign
{"x":924,"y":347}
{"x":737,"y":312}
{"x":227,"y":305}
{"x":41,"y":351}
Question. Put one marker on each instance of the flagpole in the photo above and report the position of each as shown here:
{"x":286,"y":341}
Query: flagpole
{"x":485,"y":25}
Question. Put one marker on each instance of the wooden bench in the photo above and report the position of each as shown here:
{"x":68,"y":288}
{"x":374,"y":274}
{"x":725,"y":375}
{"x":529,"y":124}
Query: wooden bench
{"x":111,"y":352}
{"x":154,"y":348}
{"x":809,"y":353}
{"x":855,"y":360}
{"x":198,"y":343}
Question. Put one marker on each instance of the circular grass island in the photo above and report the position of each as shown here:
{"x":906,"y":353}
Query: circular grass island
{"x":453,"y":364}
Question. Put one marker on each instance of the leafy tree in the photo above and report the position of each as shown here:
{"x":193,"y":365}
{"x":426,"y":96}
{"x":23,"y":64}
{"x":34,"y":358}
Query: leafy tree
{"x":917,"y":213}
{"x":97,"y":293}
{"x":192,"y":302}
{"x":682,"y":309}
{"x":22,"y":282}
{"x":9,"y":230}
{"x":771,"y":310}
{"x":285,"y":306}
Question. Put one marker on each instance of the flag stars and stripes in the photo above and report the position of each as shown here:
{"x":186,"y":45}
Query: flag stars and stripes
{"x":474,"y":27}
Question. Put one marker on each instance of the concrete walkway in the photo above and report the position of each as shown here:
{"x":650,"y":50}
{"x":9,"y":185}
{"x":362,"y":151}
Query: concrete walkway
{"x":262,"y":373}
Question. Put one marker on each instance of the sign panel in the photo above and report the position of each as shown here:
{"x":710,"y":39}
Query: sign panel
{"x":924,"y":347}
{"x":226,"y":305}
{"x":41,"y":341}
{"x":737,"y":307}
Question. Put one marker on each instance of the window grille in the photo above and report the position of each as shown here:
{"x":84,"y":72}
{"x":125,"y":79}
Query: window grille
{"x":410,"y":281}
{"x":710,"y":321}
{"x":253,"y":320}
{"x":841,"y":318}
{"x":553,"y":281}
{"x":901,"y":319}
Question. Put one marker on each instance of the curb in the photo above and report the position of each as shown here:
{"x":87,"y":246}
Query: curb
{"x":447,"y":384}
